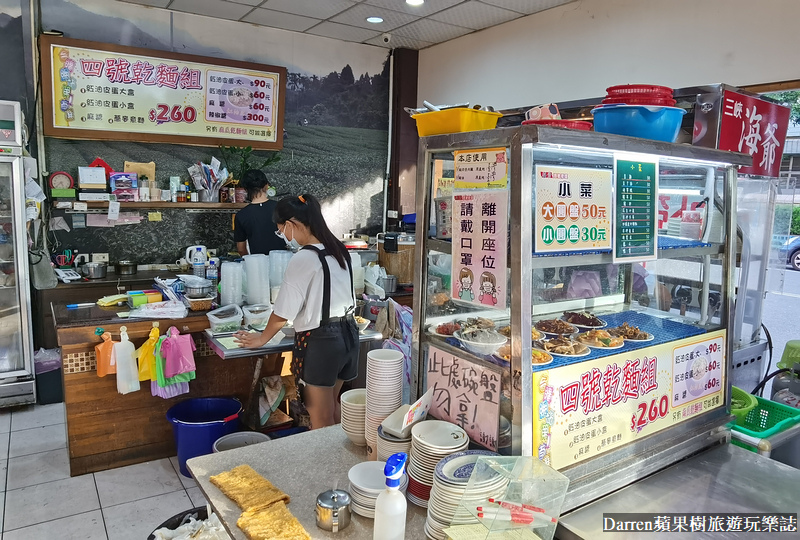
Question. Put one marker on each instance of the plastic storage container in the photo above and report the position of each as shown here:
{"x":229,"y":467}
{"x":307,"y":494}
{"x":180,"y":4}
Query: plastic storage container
{"x":257,"y":315}
{"x":455,"y":121}
{"x":654,"y":123}
{"x":225,"y":319}
{"x":765,"y":420}
{"x":198,"y":423}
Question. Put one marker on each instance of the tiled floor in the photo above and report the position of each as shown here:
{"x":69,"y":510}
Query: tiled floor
{"x":40,"y":501}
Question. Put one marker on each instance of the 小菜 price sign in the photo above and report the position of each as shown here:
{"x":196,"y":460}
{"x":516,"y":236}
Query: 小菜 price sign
{"x":573,"y":209}
{"x":635,"y":212}
{"x":481,"y":169}
{"x":120,"y":93}
{"x":585,"y":409}
{"x":465,"y":394}
{"x":480,"y":233}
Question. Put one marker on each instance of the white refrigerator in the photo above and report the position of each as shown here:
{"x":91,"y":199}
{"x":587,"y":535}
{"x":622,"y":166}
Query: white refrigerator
{"x":16,"y":342}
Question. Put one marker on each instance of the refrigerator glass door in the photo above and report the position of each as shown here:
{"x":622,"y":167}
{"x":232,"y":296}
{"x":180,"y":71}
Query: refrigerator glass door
{"x":15,"y":348}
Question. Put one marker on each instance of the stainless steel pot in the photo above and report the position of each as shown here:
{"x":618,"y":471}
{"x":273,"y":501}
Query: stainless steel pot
{"x":333,"y":510}
{"x":94,"y":270}
{"x":388,"y":283}
{"x":197,"y":292}
{"x":125,"y":268}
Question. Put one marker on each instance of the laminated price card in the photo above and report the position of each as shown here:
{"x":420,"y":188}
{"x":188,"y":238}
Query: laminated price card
{"x":635,"y":212}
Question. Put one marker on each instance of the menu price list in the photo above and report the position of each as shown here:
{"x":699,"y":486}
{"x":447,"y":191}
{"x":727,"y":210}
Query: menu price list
{"x":635,"y":210}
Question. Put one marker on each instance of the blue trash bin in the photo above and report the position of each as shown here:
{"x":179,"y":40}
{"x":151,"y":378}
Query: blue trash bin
{"x":198,"y":422}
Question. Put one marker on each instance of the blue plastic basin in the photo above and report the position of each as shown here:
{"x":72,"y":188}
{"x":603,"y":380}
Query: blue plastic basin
{"x":655,"y":123}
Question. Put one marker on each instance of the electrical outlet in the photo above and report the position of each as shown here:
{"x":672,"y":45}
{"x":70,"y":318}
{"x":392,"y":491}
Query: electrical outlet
{"x":100,"y":257}
{"x":212,"y":252}
{"x":392,"y":214}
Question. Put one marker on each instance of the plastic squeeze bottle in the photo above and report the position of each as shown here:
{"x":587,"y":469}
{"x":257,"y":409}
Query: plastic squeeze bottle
{"x":390,"y":508}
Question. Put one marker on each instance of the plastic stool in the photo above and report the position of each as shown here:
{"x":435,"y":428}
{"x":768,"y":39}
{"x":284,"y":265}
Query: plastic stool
{"x":791,"y":354}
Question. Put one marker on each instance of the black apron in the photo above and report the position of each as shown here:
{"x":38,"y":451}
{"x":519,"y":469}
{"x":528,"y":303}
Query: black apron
{"x":302,"y":339}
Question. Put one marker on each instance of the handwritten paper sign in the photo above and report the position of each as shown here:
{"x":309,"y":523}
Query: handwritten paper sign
{"x":481,"y":169}
{"x":480,"y":231}
{"x":105,"y":91}
{"x":465,"y":394}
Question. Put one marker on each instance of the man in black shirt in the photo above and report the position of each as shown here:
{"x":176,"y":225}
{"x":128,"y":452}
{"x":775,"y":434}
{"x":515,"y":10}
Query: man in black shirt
{"x":253,"y":225}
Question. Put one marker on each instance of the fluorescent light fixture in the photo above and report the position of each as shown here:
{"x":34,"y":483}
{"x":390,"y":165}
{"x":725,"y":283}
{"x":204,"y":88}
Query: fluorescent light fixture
{"x":670,"y":191}
{"x":374,"y":20}
{"x":415,"y":2}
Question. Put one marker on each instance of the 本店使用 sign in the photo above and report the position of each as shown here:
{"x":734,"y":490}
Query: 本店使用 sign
{"x":465,"y":394}
{"x":100,"y":91}
{"x":585,"y":409}
{"x":480,"y":233}
{"x":573,"y":209}
{"x":481,"y":169}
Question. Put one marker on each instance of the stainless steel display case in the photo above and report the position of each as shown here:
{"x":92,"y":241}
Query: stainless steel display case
{"x":706,"y":264}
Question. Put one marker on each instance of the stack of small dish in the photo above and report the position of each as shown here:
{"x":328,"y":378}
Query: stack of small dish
{"x":384,"y":393}
{"x":354,"y":407}
{"x":367,"y":481}
{"x":449,"y":485}
{"x":388,"y":445}
{"x":431,"y":441}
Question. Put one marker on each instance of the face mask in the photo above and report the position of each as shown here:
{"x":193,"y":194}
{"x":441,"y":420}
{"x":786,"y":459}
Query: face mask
{"x":293,"y":243}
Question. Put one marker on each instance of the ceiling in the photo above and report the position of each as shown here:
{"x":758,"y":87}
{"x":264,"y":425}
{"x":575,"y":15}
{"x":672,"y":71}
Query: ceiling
{"x":411,"y":27}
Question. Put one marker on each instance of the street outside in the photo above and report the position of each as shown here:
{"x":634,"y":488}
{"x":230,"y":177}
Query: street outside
{"x":781,"y":315}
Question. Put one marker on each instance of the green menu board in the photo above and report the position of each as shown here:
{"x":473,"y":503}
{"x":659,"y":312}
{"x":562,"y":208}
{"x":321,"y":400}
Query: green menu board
{"x":635,"y":230}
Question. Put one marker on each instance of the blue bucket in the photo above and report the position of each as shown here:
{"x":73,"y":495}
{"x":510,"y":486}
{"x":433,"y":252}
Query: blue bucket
{"x":197,"y":423}
{"x":654,"y":123}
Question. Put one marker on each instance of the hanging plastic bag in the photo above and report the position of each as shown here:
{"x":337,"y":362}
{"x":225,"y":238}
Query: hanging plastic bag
{"x":146,"y":356}
{"x":162,"y":380}
{"x":178,"y":352}
{"x":102,"y":352}
{"x":123,"y":356}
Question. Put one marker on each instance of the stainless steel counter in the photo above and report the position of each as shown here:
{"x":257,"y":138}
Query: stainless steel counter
{"x":284,"y":345}
{"x":303,"y":466}
{"x":724,"y":479}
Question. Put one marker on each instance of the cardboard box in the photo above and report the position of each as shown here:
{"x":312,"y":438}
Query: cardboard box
{"x":65,"y":193}
{"x":126,"y":194}
{"x":123,"y":180}
{"x":86,"y":196}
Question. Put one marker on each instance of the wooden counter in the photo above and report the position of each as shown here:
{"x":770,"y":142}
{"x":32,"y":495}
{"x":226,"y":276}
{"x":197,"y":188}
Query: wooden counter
{"x":106,"y":429}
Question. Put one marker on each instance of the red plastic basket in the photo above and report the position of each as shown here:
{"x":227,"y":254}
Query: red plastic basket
{"x":569,"y":124}
{"x":654,"y":101}
{"x":640,"y":90}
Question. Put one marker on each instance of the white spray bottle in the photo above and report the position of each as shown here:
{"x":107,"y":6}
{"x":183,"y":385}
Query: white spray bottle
{"x":390,"y":508}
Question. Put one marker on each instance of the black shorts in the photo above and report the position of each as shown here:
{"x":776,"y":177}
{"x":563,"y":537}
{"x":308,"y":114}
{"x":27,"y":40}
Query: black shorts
{"x":331,"y":354}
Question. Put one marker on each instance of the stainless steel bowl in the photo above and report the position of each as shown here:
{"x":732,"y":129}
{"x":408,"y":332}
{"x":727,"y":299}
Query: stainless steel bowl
{"x":125,"y":268}
{"x":197,"y":292}
{"x":94,"y":270}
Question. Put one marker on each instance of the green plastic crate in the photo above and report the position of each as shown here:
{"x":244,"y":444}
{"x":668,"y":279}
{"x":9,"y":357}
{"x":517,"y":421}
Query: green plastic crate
{"x":766,"y":419}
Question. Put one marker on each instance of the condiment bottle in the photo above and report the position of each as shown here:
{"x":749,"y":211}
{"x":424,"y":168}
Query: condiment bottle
{"x":390,"y":507}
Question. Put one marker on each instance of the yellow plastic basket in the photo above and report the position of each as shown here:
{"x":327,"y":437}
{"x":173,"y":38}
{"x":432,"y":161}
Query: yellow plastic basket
{"x":455,"y":121}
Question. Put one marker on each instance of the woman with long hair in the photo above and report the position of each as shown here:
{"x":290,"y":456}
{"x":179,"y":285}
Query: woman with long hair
{"x":317,"y":294}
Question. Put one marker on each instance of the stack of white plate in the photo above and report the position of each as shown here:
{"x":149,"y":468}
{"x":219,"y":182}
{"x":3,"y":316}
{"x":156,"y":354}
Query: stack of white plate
{"x":431,"y":441}
{"x":674,"y":226}
{"x":367,"y":481}
{"x":388,"y":445}
{"x":354,"y":407}
{"x":384,"y":393}
{"x":449,"y":484}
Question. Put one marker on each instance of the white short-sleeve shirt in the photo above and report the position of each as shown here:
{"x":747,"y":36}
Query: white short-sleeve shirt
{"x":300,"y":297}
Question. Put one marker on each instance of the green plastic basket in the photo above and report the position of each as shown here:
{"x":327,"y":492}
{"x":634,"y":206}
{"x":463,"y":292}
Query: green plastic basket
{"x":766,"y":419}
{"x":741,"y":395}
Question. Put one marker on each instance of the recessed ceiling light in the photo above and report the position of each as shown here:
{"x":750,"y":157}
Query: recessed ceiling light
{"x":374,"y":20}
{"x":415,"y":2}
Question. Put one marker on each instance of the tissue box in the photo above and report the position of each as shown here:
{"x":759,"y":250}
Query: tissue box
{"x":126,"y":194}
{"x":123,"y":180}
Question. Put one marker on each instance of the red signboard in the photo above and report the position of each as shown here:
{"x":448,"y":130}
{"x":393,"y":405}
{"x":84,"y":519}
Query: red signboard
{"x":753,"y":126}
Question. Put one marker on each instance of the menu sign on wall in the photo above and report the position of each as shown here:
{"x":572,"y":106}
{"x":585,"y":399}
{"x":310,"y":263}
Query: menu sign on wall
{"x":635,"y":212}
{"x":573,"y":209}
{"x":102,"y":91}
{"x":481,"y":169}
{"x":585,"y":409}
{"x":465,"y":394}
{"x":480,"y":233}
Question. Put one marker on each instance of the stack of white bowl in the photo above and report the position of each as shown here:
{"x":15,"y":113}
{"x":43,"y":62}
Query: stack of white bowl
{"x":231,"y":278}
{"x":367,"y":481}
{"x":384,"y":393}
{"x":388,"y":445}
{"x":354,"y":406}
{"x":256,"y":270}
{"x":448,"y":504}
{"x":431,"y":441}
